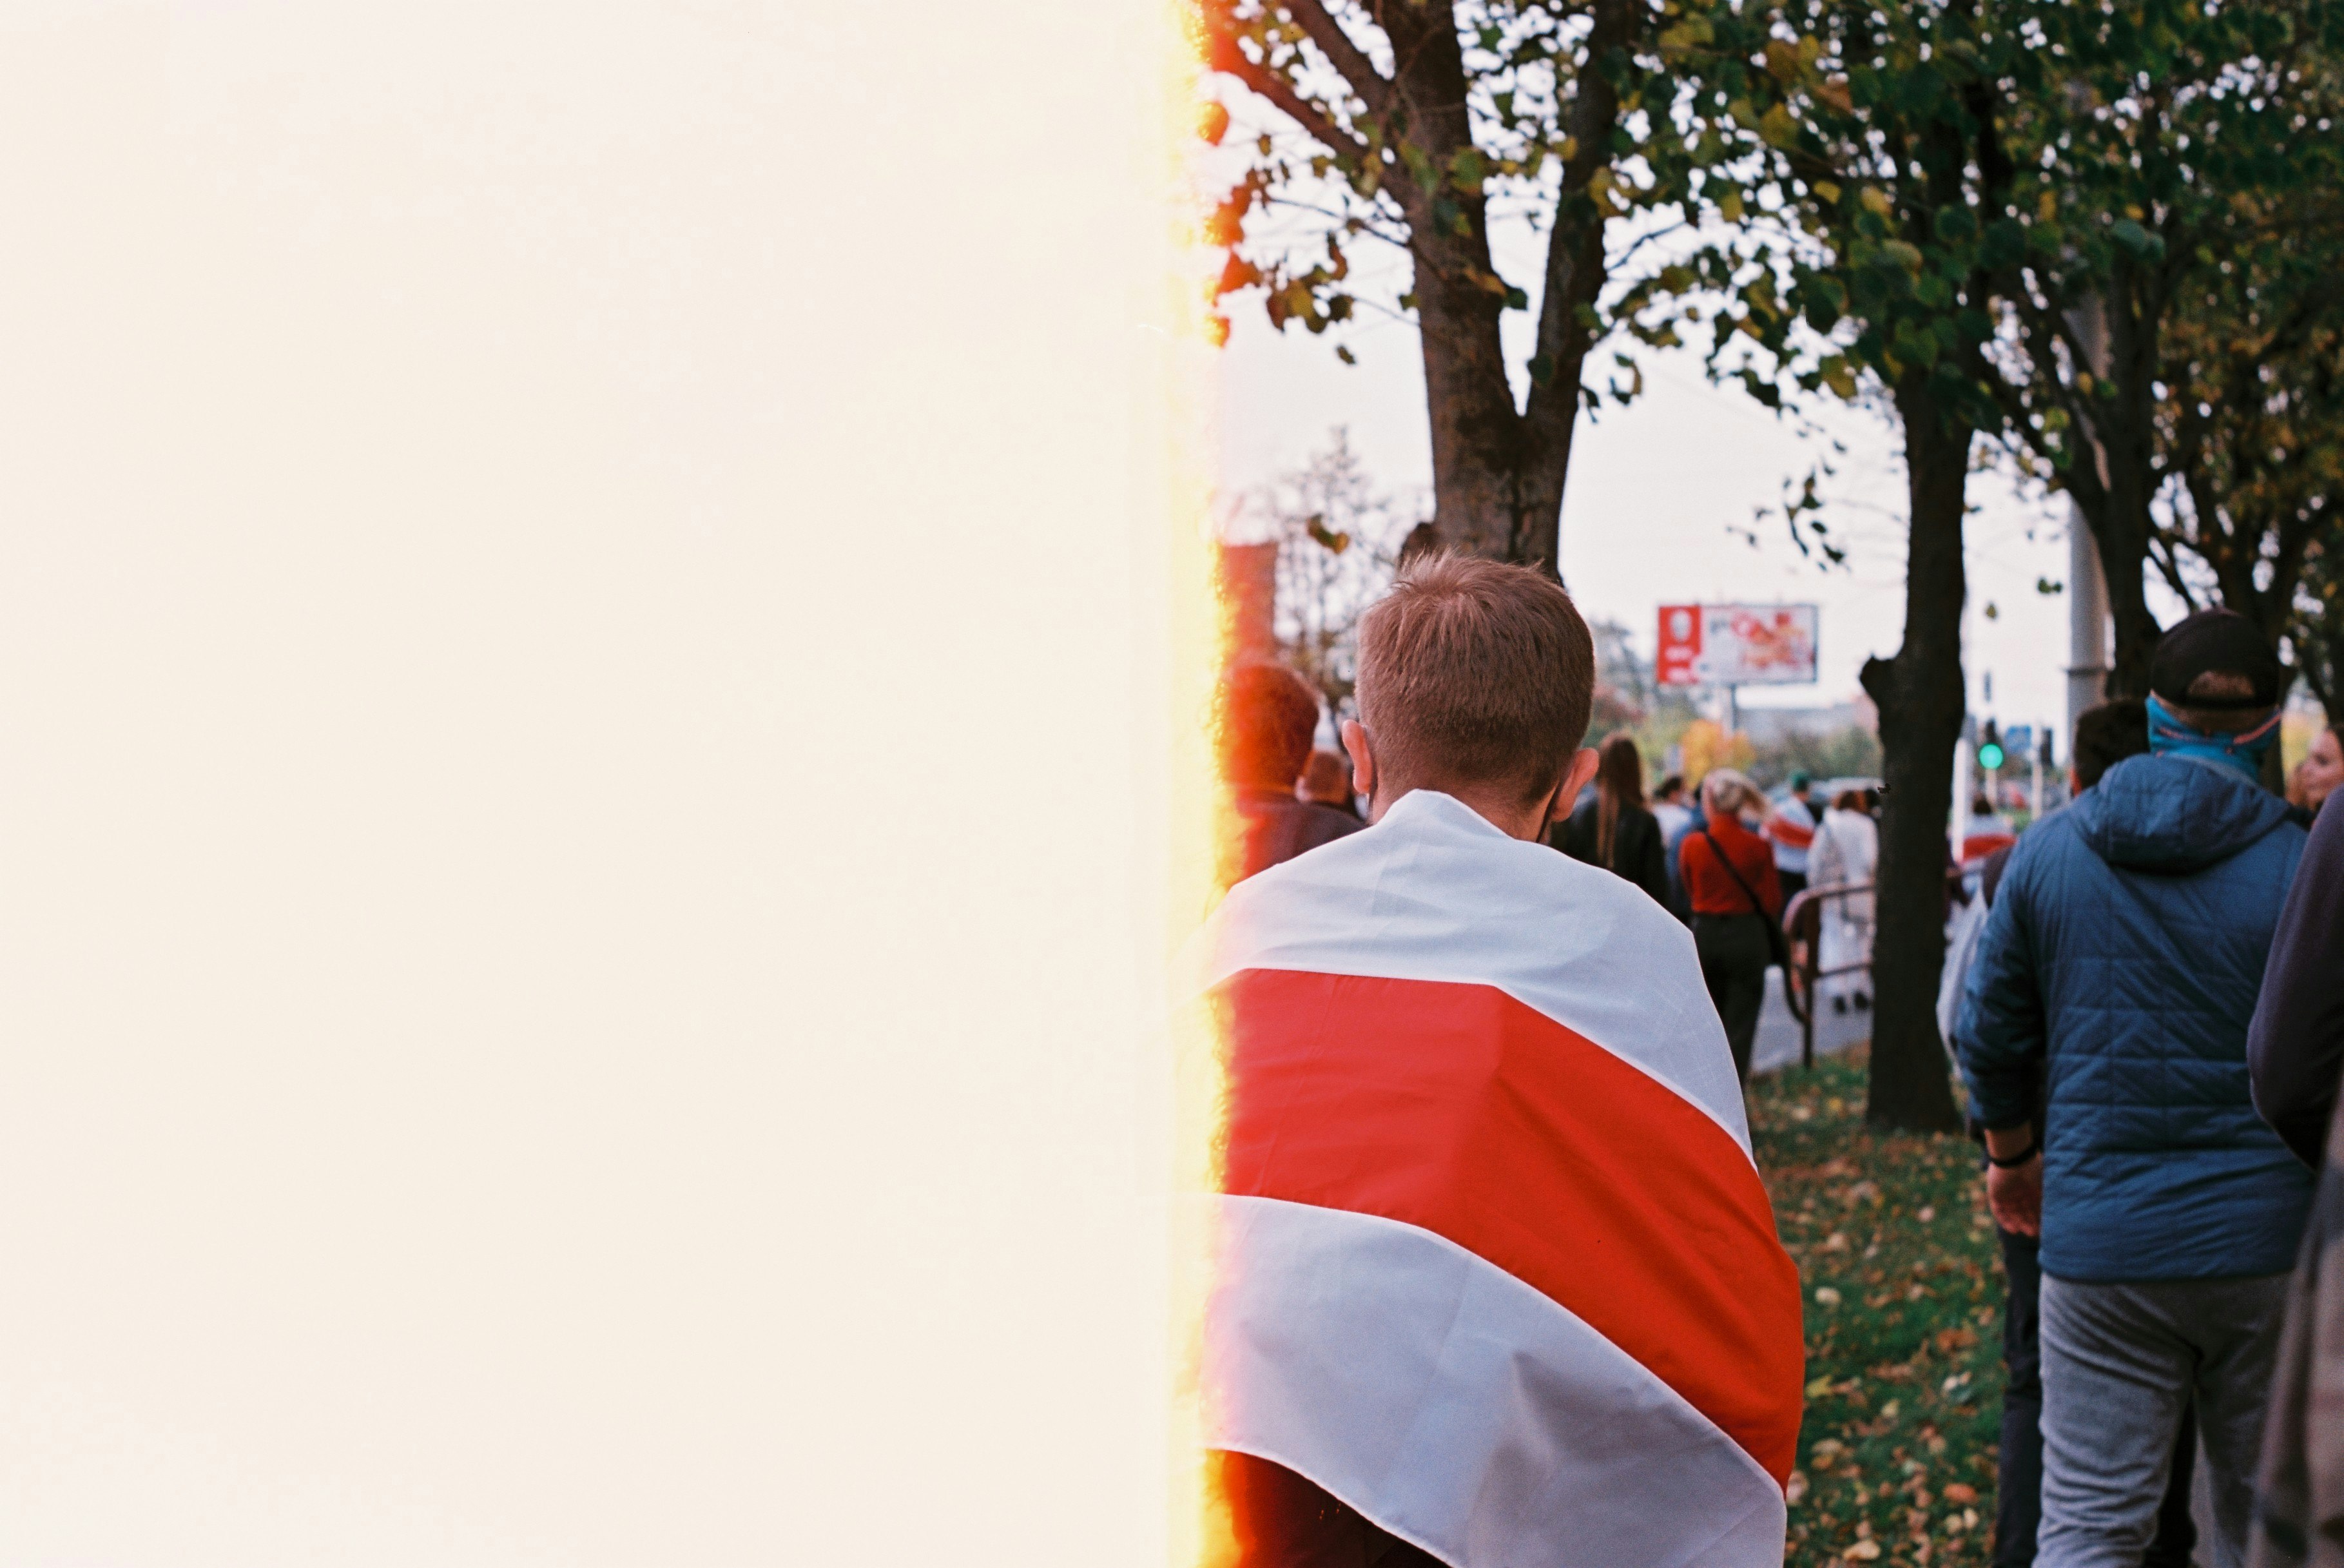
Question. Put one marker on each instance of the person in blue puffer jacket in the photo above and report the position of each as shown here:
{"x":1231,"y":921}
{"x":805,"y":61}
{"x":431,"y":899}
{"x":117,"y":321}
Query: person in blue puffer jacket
{"x":2118,"y":972}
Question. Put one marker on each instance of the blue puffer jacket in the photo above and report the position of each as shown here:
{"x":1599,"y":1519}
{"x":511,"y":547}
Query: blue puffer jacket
{"x":2126,"y":944}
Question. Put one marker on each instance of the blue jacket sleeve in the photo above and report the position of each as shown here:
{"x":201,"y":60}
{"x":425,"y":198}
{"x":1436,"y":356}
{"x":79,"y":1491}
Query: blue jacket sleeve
{"x":2001,"y":1033}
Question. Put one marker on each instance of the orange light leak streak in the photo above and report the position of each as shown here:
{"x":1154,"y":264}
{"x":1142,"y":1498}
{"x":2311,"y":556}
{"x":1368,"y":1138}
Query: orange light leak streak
{"x":1203,"y":822}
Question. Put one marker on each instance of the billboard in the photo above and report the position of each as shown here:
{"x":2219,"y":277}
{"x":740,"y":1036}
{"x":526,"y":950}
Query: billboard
{"x":1736,"y":644}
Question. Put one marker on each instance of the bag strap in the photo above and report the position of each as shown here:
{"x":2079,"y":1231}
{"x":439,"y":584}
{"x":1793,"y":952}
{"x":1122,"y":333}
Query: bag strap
{"x":1757,"y":904}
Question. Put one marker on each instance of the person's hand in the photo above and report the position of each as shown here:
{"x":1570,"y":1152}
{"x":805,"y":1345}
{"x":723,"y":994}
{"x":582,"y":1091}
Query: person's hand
{"x":2015,"y":1196}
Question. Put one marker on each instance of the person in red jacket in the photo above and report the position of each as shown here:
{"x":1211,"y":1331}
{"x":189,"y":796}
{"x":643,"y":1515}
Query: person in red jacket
{"x":1730,"y":880}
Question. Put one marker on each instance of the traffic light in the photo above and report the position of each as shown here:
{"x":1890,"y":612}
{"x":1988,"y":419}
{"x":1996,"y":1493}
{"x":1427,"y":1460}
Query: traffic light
{"x":1989,"y":752}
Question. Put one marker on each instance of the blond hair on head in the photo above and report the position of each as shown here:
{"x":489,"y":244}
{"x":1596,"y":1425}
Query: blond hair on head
{"x":1726,"y":793}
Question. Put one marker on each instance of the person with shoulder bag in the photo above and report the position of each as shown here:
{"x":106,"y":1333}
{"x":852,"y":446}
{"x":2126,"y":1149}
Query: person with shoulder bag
{"x":1737,"y":904}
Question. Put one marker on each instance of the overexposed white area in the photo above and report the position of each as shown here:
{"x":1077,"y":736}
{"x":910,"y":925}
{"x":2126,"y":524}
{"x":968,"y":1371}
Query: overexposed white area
{"x":575,"y":692}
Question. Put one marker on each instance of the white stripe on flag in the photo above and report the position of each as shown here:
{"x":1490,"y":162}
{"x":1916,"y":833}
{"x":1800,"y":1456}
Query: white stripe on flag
{"x":1434,"y":892}
{"x":1458,"y":1408}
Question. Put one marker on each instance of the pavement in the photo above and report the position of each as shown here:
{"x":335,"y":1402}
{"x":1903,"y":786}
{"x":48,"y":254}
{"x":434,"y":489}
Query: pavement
{"x":1777,"y":1045}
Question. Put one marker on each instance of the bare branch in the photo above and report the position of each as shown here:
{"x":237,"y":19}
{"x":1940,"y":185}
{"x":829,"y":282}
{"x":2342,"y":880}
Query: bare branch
{"x":1366,"y":227}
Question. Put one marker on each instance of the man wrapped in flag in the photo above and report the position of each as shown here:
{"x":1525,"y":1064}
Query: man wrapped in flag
{"x":1496,"y":1283}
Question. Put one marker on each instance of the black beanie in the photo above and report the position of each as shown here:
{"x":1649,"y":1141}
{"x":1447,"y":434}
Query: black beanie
{"x":2210,"y":641}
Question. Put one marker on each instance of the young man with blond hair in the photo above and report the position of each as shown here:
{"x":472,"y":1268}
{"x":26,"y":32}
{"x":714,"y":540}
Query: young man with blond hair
{"x":1497,"y":1282}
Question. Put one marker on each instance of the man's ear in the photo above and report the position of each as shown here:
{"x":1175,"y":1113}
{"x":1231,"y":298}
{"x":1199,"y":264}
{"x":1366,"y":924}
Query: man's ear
{"x":1362,"y":752}
{"x":1575,"y":778}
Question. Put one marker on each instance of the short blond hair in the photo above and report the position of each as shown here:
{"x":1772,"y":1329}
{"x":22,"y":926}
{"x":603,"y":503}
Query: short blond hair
{"x":1474,"y":671}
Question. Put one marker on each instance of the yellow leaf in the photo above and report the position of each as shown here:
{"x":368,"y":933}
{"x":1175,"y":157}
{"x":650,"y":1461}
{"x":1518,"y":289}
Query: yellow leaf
{"x":1777,"y":127}
{"x":1730,"y":206}
{"x":1828,"y":192}
{"x":2047,"y":205}
{"x":1782,"y":60}
{"x":1875,"y":201}
{"x":1819,"y":1388}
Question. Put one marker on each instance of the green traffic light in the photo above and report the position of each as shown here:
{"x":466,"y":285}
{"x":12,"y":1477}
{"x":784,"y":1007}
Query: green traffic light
{"x":1990,"y":756}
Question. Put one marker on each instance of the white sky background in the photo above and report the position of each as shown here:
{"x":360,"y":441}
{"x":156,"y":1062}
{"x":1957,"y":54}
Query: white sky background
{"x":1655,"y":487}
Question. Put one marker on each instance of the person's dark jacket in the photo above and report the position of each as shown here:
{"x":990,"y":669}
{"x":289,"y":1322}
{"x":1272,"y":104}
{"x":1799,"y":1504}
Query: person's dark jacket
{"x":2294,"y":1051}
{"x":1637,"y":854}
{"x":1278,"y":827}
{"x":2126,"y":944}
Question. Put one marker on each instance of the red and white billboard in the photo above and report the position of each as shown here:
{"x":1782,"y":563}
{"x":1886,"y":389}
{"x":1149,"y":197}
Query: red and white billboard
{"x":1736,"y":644}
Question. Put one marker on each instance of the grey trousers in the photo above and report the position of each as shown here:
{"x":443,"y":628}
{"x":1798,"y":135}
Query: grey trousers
{"x":2119,"y":1362}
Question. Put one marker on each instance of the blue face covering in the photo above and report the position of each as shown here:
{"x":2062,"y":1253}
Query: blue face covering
{"x":2169,"y":737}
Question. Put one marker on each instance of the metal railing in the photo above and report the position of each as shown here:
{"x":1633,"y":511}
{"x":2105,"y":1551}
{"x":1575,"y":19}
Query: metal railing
{"x":1802,"y":923}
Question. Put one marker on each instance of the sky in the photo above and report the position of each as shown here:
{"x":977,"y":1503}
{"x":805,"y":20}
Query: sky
{"x":1655,"y":487}
{"x":1653,"y":490}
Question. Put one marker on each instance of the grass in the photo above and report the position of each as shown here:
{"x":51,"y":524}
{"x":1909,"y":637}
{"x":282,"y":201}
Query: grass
{"x":1903,"y":1292}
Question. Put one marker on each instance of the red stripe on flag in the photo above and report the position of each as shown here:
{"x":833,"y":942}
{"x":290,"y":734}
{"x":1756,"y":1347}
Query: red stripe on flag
{"x":1458,"y":1109}
{"x":1789,"y":834}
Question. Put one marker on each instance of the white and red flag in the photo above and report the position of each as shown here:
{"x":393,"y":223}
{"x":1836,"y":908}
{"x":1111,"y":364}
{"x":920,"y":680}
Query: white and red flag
{"x":1493,"y":1264}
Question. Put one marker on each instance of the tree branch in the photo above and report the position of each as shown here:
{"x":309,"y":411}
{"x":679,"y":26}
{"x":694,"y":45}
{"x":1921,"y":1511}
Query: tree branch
{"x":1315,"y":122}
{"x":1575,"y":267}
{"x":1345,"y":56}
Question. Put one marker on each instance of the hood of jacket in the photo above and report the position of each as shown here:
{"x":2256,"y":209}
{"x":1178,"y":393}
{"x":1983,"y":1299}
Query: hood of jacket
{"x":2174,"y":815}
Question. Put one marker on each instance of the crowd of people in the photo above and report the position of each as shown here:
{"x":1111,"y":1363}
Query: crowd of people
{"x":2142,"y":999}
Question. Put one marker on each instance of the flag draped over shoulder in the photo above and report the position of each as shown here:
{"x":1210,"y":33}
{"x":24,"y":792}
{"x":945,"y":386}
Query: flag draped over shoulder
{"x":1494,"y":1265}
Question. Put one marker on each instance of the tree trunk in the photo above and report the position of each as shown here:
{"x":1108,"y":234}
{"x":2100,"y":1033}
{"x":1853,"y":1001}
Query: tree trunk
{"x":1499,"y":470}
{"x":1476,"y":433}
{"x":1920,"y":697}
{"x":2124,"y":430}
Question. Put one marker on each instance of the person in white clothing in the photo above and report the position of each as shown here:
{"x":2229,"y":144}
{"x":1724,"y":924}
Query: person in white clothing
{"x":1846,"y":849}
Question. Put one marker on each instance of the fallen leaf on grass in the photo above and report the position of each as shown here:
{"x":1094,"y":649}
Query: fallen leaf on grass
{"x":1959,"y":1491}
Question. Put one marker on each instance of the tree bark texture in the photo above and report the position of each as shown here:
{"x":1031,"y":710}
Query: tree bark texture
{"x":1920,"y":697}
{"x":1499,"y":470}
